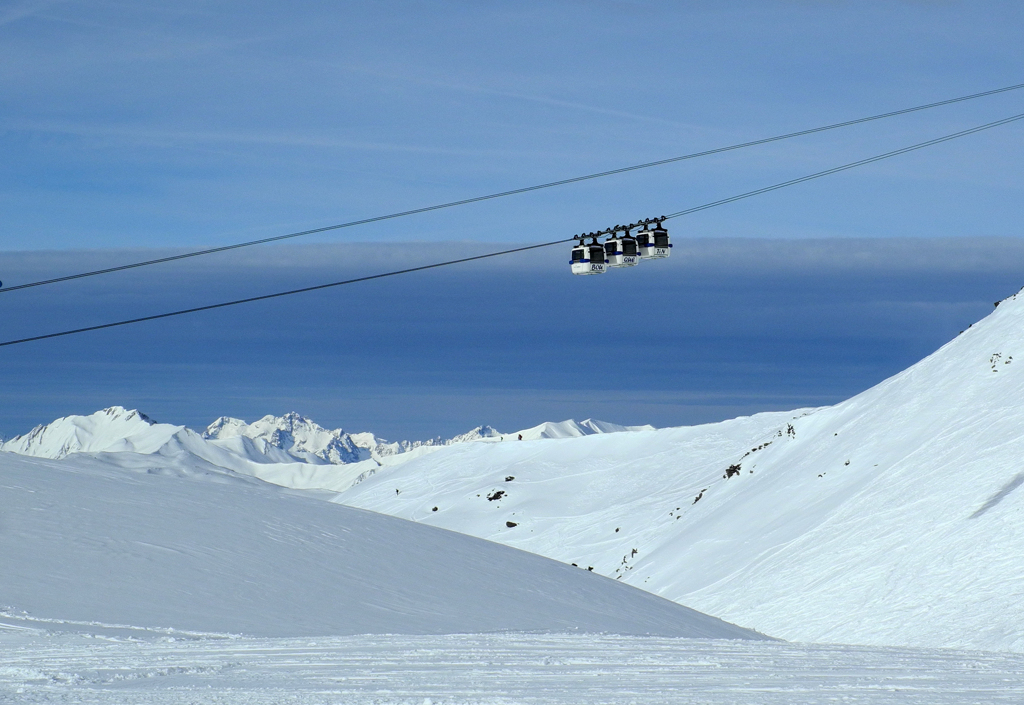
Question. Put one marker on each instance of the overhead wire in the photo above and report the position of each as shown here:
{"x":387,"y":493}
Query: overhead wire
{"x":512,"y":192}
{"x":844,"y":167}
{"x":437,"y":265}
{"x":279,"y":294}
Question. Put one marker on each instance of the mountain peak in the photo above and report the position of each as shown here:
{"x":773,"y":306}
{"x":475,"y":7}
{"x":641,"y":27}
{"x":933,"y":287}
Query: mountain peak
{"x":112,"y":429}
{"x":294,"y":434}
{"x":119,"y":413}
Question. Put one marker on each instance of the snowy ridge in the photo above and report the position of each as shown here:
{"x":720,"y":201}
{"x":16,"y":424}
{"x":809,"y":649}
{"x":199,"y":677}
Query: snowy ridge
{"x":892,"y":518}
{"x":550,"y":429}
{"x":575,"y":429}
{"x":381,"y":448}
{"x":103,"y":550}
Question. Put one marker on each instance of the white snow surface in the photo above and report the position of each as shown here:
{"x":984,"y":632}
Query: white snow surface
{"x":491,"y":669}
{"x":85,"y":545}
{"x":892,"y":518}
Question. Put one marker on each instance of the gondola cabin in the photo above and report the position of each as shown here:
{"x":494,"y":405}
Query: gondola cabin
{"x":621,"y":251}
{"x":654,"y":242}
{"x":588,"y":259}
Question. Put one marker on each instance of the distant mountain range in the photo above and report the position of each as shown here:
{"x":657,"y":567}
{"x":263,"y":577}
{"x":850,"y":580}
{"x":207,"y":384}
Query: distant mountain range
{"x":289,"y":450}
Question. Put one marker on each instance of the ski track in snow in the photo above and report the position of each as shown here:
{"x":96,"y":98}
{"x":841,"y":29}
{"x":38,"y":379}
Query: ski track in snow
{"x":491,"y":668}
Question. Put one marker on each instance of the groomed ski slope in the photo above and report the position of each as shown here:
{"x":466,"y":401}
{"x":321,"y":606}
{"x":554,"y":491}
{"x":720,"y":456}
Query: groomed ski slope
{"x":89,"y":547}
{"x":493,"y":669}
{"x":892,"y":518}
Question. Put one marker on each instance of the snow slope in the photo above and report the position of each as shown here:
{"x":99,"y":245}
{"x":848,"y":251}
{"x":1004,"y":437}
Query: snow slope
{"x":168,"y":546}
{"x":892,"y":518}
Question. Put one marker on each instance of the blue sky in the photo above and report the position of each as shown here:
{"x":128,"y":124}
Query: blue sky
{"x":127,"y":126}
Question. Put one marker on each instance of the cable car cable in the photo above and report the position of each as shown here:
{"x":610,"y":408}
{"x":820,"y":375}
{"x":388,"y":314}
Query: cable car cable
{"x":844,"y":167}
{"x":279,"y":294}
{"x":513,"y":192}
{"x":437,"y":265}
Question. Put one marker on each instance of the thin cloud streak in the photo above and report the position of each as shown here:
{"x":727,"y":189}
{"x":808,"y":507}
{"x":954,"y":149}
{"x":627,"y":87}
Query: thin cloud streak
{"x":25,"y":9}
{"x":160,"y":137}
{"x":526,"y":97}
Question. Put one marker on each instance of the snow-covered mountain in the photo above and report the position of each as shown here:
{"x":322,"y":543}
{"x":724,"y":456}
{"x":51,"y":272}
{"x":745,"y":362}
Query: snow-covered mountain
{"x":305,"y":440}
{"x":892,"y":518}
{"x":129,"y":439}
{"x":296,"y":435}
{"x":85,"y":546}
{"x":290,"y":450}
{"x":111,"y":430}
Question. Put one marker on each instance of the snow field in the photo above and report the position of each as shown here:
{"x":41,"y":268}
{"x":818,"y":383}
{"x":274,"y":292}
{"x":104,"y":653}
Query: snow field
{"x":161,"y":547}
{"x":492,"y":669}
